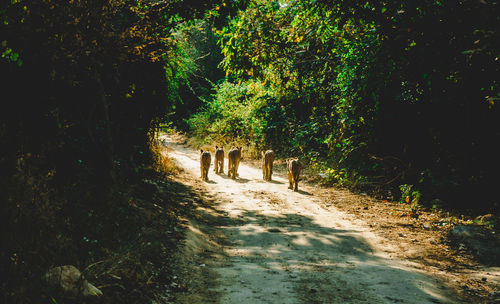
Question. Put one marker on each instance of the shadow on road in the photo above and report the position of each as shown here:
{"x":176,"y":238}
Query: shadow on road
{"x":320,"y":262}
{"x":275,"y":182}
{"x":303,"y":192}
{"x":237,"y":179}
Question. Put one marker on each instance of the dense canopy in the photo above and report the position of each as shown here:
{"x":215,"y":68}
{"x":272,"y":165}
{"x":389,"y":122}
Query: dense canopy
{"x":397,"y":98}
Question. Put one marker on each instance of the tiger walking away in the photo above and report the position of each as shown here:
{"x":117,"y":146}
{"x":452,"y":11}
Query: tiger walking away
{"x":205,"y":160}
{"x":219,"y":160}
{"x":293,"y":167}
{"x":234,"y":157}
{"x":267,"y":164}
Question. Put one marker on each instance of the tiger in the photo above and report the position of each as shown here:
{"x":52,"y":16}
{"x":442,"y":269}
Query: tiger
{"x":219,"y":160}
{"x":293,"y":168}
{"x":234,"y":157}
{"x":267,"y":164}
{"x":205,"y":160}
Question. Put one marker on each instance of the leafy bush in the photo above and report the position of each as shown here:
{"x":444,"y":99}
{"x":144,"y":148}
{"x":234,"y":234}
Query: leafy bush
{"x":245,"y":113}
{"x":399,"y":93}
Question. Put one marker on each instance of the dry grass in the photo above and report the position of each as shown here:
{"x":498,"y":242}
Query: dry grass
{"x":161,"y":162}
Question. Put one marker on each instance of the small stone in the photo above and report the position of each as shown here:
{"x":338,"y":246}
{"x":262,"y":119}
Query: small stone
{"x":465,"y":232}
{"x":68,"y":279}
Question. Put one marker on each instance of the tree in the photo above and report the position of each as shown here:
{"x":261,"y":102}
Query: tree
{"x":401,"y":93}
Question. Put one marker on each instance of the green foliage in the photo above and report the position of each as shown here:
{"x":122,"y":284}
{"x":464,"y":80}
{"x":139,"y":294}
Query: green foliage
{"x":411,"y":197}
{"x":398,"y":93}
{"x":320,"y":70}
{"x":408,"y":195}
{"x":194,"y":71}
{"x":247,"y":113}
{"x":9,"y":54}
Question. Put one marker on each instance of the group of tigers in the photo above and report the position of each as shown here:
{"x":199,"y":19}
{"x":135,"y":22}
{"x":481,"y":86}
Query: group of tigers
{"x":234,"y":156}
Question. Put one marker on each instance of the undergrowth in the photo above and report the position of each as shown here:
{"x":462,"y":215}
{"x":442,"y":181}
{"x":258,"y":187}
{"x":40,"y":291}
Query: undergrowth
{"x":123,"y":243}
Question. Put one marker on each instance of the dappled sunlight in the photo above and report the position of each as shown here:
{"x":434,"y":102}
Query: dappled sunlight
{"x":322,"y":250}
{"x":336,"y":252}
{"x":275,"y":237}
{"x":301,"y":240}
{"x":364,"y":132}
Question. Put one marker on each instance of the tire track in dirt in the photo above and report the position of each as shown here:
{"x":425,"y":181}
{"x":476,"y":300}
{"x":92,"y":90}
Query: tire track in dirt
{"x":283,"y":247}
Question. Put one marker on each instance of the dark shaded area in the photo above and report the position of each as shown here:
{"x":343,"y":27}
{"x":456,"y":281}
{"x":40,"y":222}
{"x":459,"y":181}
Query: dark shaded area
{"x":479,"y":241}
{"x":126,"y":250}
{"x":83,"y":89}
{"x":237,"y":179}
{"x":275,"y":182}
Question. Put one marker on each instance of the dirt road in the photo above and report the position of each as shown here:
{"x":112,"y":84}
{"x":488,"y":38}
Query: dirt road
{"x":268,"y":244}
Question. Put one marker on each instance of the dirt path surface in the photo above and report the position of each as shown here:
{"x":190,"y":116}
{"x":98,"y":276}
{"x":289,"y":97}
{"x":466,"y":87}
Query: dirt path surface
{"x":259,"y":242}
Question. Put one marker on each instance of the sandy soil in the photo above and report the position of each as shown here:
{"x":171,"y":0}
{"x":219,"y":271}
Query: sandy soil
{"x":254,"y":241}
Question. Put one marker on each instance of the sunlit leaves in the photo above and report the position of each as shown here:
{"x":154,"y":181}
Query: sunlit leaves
{"x":347,"y":70}
{"x":247,"y":112}
{"x":9,"y":54}
{"x":251,"y":40}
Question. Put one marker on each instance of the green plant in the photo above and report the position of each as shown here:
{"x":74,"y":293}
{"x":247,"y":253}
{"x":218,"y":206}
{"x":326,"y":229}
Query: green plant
{"x":246,"y":113}
{"x":411,"y":197}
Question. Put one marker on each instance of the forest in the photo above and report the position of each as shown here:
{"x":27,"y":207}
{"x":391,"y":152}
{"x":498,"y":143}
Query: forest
{"x":396,"y":99}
